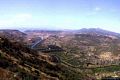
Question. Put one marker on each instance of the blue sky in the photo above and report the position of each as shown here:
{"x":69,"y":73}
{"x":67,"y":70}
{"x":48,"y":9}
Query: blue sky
{"x":60,"y":14}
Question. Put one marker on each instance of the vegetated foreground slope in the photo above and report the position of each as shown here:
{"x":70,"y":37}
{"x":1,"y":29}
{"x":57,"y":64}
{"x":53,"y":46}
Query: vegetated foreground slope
{"x":18,"y":62}
{"x":95,"y":50}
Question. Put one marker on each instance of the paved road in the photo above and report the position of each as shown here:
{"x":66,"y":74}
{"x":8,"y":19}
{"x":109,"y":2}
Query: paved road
{"x":37,"y":42}
{"x":47,"y":49}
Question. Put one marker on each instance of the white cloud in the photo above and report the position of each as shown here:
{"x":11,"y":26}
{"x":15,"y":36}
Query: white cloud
{"x":17,"y":19}
{"x":94,"y":11}
{"x":97,"y":9}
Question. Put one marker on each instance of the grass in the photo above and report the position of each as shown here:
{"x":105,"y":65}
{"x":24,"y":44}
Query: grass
{"x":111,"y":68}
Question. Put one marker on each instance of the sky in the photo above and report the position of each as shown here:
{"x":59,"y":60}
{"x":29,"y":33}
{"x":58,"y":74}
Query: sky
{"x":60,"y":14}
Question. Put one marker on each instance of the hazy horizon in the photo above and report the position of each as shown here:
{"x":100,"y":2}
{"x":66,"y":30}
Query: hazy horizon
{"x":60,"y":14}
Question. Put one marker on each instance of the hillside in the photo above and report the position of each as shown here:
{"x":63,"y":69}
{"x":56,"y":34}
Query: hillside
{"x":96,"y":51}
{"x":18,"y":62}
{"x":86,"y":54}
{"x":13,"y":35}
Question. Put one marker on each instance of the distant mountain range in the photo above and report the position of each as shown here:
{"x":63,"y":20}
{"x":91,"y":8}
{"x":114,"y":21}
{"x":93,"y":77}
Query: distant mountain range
{"x":98,"y":31}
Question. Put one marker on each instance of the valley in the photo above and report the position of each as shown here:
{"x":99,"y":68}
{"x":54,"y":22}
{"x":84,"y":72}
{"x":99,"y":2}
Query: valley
{"x":86,"y":54}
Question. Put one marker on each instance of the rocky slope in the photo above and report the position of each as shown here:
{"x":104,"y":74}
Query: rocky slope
{"x":18,"y":62}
